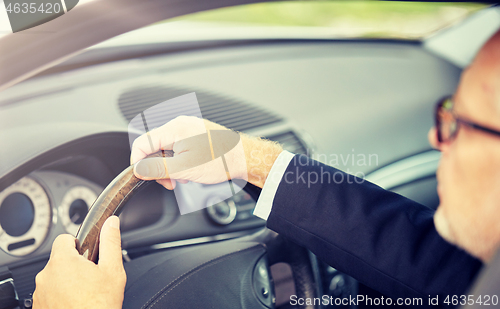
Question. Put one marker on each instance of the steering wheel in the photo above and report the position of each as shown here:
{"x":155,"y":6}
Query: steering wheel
{"x":228,"y":274}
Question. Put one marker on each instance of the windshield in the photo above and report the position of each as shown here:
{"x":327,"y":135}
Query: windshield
{"x":306,"y":19}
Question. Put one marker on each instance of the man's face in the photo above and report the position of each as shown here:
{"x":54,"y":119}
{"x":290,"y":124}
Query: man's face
{"x":469,"y":170}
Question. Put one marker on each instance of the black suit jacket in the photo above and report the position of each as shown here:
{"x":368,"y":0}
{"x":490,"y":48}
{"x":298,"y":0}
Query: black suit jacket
{"x":380,"y":238}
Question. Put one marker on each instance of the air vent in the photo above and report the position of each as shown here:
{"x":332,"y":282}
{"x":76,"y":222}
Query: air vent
{"x":290,"y":142}
{"x":231,"y":113}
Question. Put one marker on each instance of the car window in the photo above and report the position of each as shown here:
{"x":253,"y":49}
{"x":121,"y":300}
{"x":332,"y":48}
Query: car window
{"x":306,"y":19}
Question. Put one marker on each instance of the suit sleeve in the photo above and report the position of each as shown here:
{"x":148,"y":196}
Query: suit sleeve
{"x":380,"y":238}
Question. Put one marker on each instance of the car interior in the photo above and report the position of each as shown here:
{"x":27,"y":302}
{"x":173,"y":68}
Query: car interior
{"x":363,"y":104}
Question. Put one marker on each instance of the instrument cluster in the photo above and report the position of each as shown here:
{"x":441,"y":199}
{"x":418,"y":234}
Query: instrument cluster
{"x":40,"y":204}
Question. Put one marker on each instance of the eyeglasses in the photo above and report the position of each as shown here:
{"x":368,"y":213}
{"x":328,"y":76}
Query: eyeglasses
{"x":447,"y":123}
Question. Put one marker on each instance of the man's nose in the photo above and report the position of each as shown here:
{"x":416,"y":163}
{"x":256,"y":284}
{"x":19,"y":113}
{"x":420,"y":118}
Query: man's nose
{"x":432,"y":136}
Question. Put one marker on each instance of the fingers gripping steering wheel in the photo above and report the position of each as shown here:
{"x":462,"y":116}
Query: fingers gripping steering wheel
{"x":114,"y":196}
{"x":110,"y":202}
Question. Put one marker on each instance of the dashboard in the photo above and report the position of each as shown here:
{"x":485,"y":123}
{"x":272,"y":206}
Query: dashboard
{"x":55,"y":197}
{"x":44,"y":204}
{"x":51,"y":193}
{"x":65,"y":136}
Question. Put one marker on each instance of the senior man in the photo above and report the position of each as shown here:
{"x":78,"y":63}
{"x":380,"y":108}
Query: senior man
{"x":384,"y":240}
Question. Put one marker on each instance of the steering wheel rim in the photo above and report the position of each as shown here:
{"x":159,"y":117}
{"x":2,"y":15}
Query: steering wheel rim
{"x":126,"y":184}
{"x":110,"y":202}
{"x":282,"y":249}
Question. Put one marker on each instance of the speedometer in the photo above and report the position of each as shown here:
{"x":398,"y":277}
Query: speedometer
{"x":74,"y":207}
{"x":25,"y":217}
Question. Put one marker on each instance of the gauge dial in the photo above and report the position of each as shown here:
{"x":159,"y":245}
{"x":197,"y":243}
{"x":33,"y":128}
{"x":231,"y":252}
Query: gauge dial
{"x":223,"y":212}
{"x":75,"y":206}
{"x":25,"y":217}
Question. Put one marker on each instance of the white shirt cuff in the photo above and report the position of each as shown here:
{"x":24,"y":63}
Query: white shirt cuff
{"x":266,"y":198}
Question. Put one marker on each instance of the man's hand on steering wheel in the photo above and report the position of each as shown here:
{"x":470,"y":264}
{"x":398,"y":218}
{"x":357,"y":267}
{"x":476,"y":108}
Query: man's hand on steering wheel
{"x":71,"y":281}
{"x":192,"y":160}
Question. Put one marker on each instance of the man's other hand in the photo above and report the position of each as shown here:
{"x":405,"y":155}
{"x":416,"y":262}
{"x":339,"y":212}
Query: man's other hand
{"x":71,"y":281}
